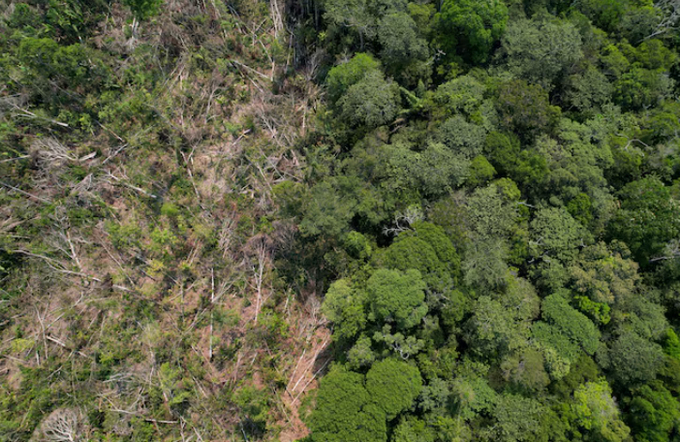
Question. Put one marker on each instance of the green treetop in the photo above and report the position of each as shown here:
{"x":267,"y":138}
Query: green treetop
{"x":470,"y":28}
{"x":397,"y":297}
{"x":393,"y":385}
{"x":596,"y":411}
{"x":345,"y":411}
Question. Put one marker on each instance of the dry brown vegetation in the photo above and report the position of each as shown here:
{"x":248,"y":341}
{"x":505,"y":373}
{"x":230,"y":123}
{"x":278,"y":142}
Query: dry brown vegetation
{"x":158,"y":311}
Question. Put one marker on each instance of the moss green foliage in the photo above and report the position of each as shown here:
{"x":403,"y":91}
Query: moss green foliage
{"x":346,"y":411}
{"x":411,"y":428}
{"x":571,"y":323}
{"x":672,"y":344}
{"x":344,"y":306}
{"x":342,"y":77}
{"x":393,"y":385}
{"x":340,"y":220}
{"x":397,"y":297}
{"x":481,"y":171}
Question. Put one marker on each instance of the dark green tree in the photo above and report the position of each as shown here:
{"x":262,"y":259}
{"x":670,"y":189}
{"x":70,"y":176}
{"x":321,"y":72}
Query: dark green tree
{"x":642,"y":88}
{"x":403,"y":52}
{"x":330,"y":208}
{"x":653,"y":413}
{"x":144,"y":9}
{"x":361,"y":17}
{"x":648,"y":219}
{"x":393,"y":385}
{"x":525,"y":109}
{"x":345,"y":411}
{"x":471,"y":28}
{"x":634,"y":359}
{"x":428,"y":250}
{"x":605,"y":14}
{"x":588,"y":91}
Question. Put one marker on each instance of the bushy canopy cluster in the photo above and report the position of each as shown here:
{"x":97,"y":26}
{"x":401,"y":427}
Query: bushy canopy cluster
{"x":520,"y":201}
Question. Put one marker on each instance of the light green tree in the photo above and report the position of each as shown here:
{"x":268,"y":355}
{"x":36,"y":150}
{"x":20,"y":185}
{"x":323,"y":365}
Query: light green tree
{"x":341,"y":77}
{"x":371,"y":102}
{"x":490,"y":214}
{"x":556,"y":234}
{"x":412,"y":429}
{"x":344,"y":307}
{"x":462,"y":95}
{"x":541,"y":50}
{"x":526,"y":370}
{"x":461,"y":136}
{"x":596,"y":411}
{"x":485,"y":265}
{"x":361,"y":354}
{"x":492,"y":331}
{"x":604,"y":275}
{"x":518,"y":419}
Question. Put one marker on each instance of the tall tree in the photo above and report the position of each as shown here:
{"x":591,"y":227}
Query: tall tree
{"x":596,"y":411}
{"x":345,"y":411}
{"x":470,"y":28}
{"x":397,"y":297}
{"x":393,"y":385}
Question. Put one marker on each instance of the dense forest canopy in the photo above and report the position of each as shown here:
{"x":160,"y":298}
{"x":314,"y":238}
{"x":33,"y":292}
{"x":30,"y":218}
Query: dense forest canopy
{"x":340,"y":220}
